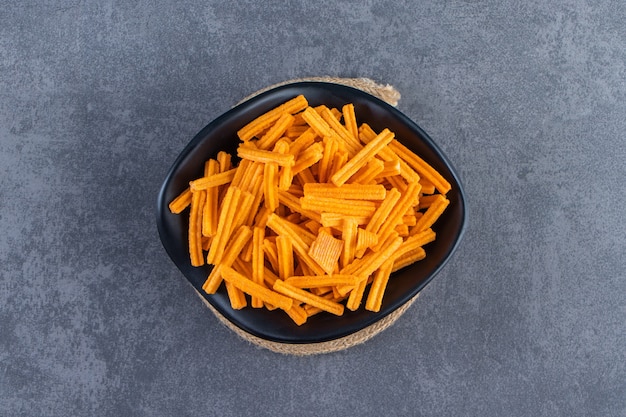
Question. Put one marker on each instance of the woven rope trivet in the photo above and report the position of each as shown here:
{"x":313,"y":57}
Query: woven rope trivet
{"x":390,"y":95}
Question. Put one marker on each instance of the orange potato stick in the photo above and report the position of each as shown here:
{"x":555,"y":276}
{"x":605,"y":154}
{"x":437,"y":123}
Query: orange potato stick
{"x":305,"y":176}
{"x":306,"y":236}
{"x":365,"y":266}
{"x":346,"y":191}
{"x":311,"y":311}
{"x":326,"y":250}
{"x":399,"y":183}
{"x":308,"y":298}
{"x":275,"y":132}
{"x":236,"y":245}
{"x":195,"y":228}
{"x":246,"y":252}
{"x":298,"y":120}
{"x":360,"y":208}
{"x":231,"y":253}
{"x":251,"y":173}
{"x":374,"y":260}
{"x":212,"y":181}
{"x":264,"y":121}
{"x":339,"y":160}
{"x":241,"y":215}
{"x":308,"y":158}
{"x":264,"y":156}
{"x":426,"y":200}
{"x":253,"y":289}
{"x":260,"y":219}
{"x":181,"y":202}
{"x":366,"y":133}
{"x":206,"y":243}
{"x":242,"y":169}
{"x":388,"y":155}
{"x":337,"y":294}
{"x":427,"y":186}
{"x":407,"y":199}
{"x":269,"y":277}
{"x":295,"y":132}
{"x":270,"y":186}
{"x":361,"y":157}
{"x":285,"y":176}
{"x":349,"y":120}
{"x":333,"y":111}
{"x":421,"y":167}
{"x":408,"y":173}
{"x":382,"y":212}
{"x":236,"y":297}
{"x":270,"y":307}
{"x":316,"y":122}
{"x":402,"y":229}
{"x":379,"y":284}
{"x":431,"y":215}
{"x":416,"y":241}
{"x":285,"y":257}
{"x":321,"y":290}
{"x":293,"y":203}
{"x":356,"y":295}
{"x":351,"y":143}
{"x":336,"y":220}
{"x":408,"y":258}
{"x":209,"y":212}
{"x":303,"y":141}
{"x":271,"y":253}
{"x":297,"y":314}
{"x":281,"y":227}
{"x":349,"y":236}
{"x":257,"y":191}
{"x":258,"y":262}
{"x":244,"y":268}
{"x":409,"y":219}
{"x":224,"y":224}
{"x":330,"y":147}
{"x":368,"y":172}
{"x":224,"y":160}
{"x":322,"y":281}
{"x":207,"y":167}
{"x":390,"y":169}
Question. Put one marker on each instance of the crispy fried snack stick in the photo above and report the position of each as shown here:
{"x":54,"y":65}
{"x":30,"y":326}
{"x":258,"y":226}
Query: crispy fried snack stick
{"x":364,"y":155}
{"x":256,"y":290}
{"x":195,"y":228}
{"x":308,"y":298}
{"x":264,"y":121}
{"x":346,"y":191}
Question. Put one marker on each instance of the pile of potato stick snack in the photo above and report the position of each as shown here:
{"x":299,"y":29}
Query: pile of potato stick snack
{"x":316,"y":215}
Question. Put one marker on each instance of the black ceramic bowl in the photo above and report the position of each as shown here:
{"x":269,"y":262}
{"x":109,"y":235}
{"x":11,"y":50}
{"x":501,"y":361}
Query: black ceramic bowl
{"x":220,"y":135}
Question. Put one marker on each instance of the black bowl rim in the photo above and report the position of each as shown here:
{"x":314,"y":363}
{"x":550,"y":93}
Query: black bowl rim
{"x":162,"y":205}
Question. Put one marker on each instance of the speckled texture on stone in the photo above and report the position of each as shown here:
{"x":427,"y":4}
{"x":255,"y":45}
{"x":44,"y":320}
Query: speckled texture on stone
{"x":528,"y":100}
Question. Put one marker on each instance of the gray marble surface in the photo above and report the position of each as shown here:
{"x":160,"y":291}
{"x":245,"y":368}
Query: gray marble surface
{"x":527,"y":99}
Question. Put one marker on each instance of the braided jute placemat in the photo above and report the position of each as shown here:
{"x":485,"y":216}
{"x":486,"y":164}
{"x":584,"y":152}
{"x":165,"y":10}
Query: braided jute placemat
{"x":386,"y":93}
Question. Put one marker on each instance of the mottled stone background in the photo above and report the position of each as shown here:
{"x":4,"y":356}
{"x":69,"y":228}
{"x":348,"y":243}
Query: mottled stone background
{"x":527,"y":98}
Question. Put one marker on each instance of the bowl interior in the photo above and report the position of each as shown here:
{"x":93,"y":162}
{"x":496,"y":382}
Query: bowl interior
{"x":221,"y":135}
